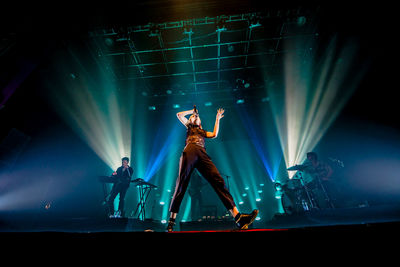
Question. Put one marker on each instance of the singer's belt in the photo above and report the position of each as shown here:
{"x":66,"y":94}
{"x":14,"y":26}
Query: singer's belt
{"x":194,"y":139}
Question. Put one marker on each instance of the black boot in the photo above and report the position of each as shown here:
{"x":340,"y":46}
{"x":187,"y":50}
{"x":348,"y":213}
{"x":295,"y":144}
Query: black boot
{"x":170,"y":226}
{"x":244,"y":220}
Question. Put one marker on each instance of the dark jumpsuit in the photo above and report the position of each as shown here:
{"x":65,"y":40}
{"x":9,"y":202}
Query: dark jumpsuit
{"x":194,"y":156}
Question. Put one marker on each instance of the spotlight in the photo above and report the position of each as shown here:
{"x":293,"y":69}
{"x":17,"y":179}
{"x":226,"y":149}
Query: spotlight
{"x":303,"y":113}
{"x":169,"y":92}
{"x":154,"y":31}
{"x":258,"y":199}
{"x":301,"y":20}
{"x":208,"y":104}
{"x":108,"y":41}
{"x":254,"y":22}
{"x":152,"y":108}
{"x":278,"y":187}
{"x":176,"y":106}
{"x":240,"y":101}
{"x":241,"y":83}
{"x":221,"y":25}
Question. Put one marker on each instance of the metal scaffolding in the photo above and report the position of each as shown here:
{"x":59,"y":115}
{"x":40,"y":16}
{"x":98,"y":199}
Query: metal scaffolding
{"x":209,"y":51}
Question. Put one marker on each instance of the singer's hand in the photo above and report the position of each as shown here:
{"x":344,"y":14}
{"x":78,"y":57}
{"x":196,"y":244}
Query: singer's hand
{"x":220,"y":113}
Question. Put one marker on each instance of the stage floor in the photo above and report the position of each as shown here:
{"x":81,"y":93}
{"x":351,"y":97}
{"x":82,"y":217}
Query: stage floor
{"x":356,"y":231}
{"x":292,"y":244}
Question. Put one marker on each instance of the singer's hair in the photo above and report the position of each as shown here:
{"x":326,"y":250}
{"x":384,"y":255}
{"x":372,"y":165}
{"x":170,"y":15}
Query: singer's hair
{"x":125,"y":158}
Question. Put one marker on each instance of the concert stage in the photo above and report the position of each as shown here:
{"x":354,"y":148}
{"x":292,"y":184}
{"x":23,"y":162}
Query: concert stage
{"x":346,"y":230}
{"x":44,"y":222}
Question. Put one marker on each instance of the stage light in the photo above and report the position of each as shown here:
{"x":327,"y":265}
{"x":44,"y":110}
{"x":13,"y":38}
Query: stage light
{"x":221,"y":25}
{"x":99,"y":113}
{"x":241,"y":202}
{"x":162,"y":203}
{"x":267,"y":149}
{"x":176,"y":106}
{"x":258,"y":218}
{"x":242,"y":84}
{"x":278,"y":187}
{"x":254,"y":21}
{"x":208,"y":104}
{"x":240,"y":101}
{"x":152,"y":108}
{"x":258,"y":199}
{"x":154,"y":30}
{"x":108,"y":41}
{"x":314,"y":94}
{"x":163,"y":221}
{"x":301,"y":20}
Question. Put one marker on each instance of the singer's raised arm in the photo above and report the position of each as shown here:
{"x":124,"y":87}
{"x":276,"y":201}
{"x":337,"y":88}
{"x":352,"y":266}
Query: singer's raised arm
{"x":214,"y":134}
{"x":181,"y":116}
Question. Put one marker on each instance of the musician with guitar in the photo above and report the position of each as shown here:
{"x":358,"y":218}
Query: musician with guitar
{"x":194,"y":156}
{"x":122,"y":177}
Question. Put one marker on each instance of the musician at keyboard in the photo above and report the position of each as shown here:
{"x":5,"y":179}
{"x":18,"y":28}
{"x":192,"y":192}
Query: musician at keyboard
{"x":122,"y":178}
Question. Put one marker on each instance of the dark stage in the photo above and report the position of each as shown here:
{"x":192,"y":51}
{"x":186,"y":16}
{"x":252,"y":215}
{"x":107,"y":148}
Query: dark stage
{"x":83,"y":87}
{"x":355,"y":243}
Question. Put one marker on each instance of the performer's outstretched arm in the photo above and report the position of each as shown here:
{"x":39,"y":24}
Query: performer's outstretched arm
{"x":181,"y":116}
{"x":214,"y":134}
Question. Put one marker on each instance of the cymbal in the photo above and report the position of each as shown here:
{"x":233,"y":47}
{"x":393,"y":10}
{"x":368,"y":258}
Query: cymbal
{"x":297,"y":168}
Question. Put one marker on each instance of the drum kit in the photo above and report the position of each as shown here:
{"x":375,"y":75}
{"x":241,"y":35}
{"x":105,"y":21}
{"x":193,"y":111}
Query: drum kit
{"x":303,"y":192}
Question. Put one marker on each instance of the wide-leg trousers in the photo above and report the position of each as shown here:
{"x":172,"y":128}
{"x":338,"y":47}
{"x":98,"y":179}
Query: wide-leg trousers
{"x":195,"y":156}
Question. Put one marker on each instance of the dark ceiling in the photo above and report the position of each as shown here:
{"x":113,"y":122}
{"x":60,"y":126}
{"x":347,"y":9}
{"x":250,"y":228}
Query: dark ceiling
{"x":214,"y":56}
{"x":192,"y":48}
